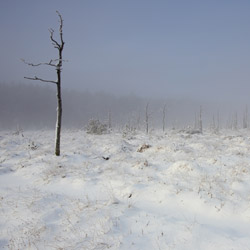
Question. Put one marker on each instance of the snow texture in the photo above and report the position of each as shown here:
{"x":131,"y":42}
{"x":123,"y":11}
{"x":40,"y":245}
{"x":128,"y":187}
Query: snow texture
{"x":184,"y":191}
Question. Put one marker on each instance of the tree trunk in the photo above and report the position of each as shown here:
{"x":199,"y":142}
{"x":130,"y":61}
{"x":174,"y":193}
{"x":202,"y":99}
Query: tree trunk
{"x":59,"y":100}
{"x":59,"y":115}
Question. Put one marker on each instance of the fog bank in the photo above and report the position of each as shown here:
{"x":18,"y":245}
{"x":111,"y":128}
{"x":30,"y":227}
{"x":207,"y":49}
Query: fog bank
{"x":33,"y":106}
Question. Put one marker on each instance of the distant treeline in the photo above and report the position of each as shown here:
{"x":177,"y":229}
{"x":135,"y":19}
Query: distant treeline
{"x":33,"y":106}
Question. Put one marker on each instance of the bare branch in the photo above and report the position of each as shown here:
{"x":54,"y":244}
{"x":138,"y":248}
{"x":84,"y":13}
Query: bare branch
{"x":61,"y":28}
{"x":40,"y":79}
{"x":54,"y":42}
{"x":39,"y":64}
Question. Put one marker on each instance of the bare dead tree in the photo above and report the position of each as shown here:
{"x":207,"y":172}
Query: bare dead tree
{"x":235,"y":121}
{"x":195,"y":121}
{"x":147,"y":118}
{"x":57,"y":64}
{"x":164,"y":117}
{"x":213,"y":126}
{"x":245,"y":118}
{"x":109,"y":120}
{"x":218,"y":120}
{"x":200,"y":120}
{"x":138,"y":120}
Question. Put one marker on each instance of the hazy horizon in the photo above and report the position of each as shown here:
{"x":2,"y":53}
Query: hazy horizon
{"x":159,"y":49}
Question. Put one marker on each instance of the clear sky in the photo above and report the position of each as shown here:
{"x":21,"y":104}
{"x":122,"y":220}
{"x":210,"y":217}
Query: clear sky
{"x":162,"y":48}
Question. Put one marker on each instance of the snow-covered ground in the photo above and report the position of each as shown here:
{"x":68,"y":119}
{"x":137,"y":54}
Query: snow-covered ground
{"x":172,"y":191}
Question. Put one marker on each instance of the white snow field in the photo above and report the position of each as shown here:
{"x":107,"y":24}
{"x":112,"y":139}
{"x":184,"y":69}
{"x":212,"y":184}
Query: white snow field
{"x":158,"y":191}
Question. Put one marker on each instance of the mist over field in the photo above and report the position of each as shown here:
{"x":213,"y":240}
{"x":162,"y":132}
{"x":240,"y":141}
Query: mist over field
{"x":33,"y":106}
{"x":119,"y":56}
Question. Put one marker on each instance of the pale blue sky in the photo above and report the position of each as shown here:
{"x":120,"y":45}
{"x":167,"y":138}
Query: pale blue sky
{"x":152,"y":48}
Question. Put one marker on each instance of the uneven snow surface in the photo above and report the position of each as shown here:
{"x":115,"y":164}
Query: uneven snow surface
{"x":115,"y":191}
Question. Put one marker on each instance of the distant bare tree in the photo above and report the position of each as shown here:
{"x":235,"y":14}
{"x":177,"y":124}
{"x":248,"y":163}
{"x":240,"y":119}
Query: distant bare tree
{"x":213,"y":126}
{"x":147,"y":118}
{"x":138,"y":120}
{"x":57,"y":64}
{"x":195,"y":121}
{"x":235,"y":121}
{"x":218,"y":120}
{"x":200,"y":120}
{"x":109,"y":120}
{"x":245,"y":118}
{"x":164,"y":117}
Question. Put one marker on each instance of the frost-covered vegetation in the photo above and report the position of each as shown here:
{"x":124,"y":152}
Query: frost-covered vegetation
{"x":177,"y":190}
{"x":95,"y":127}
